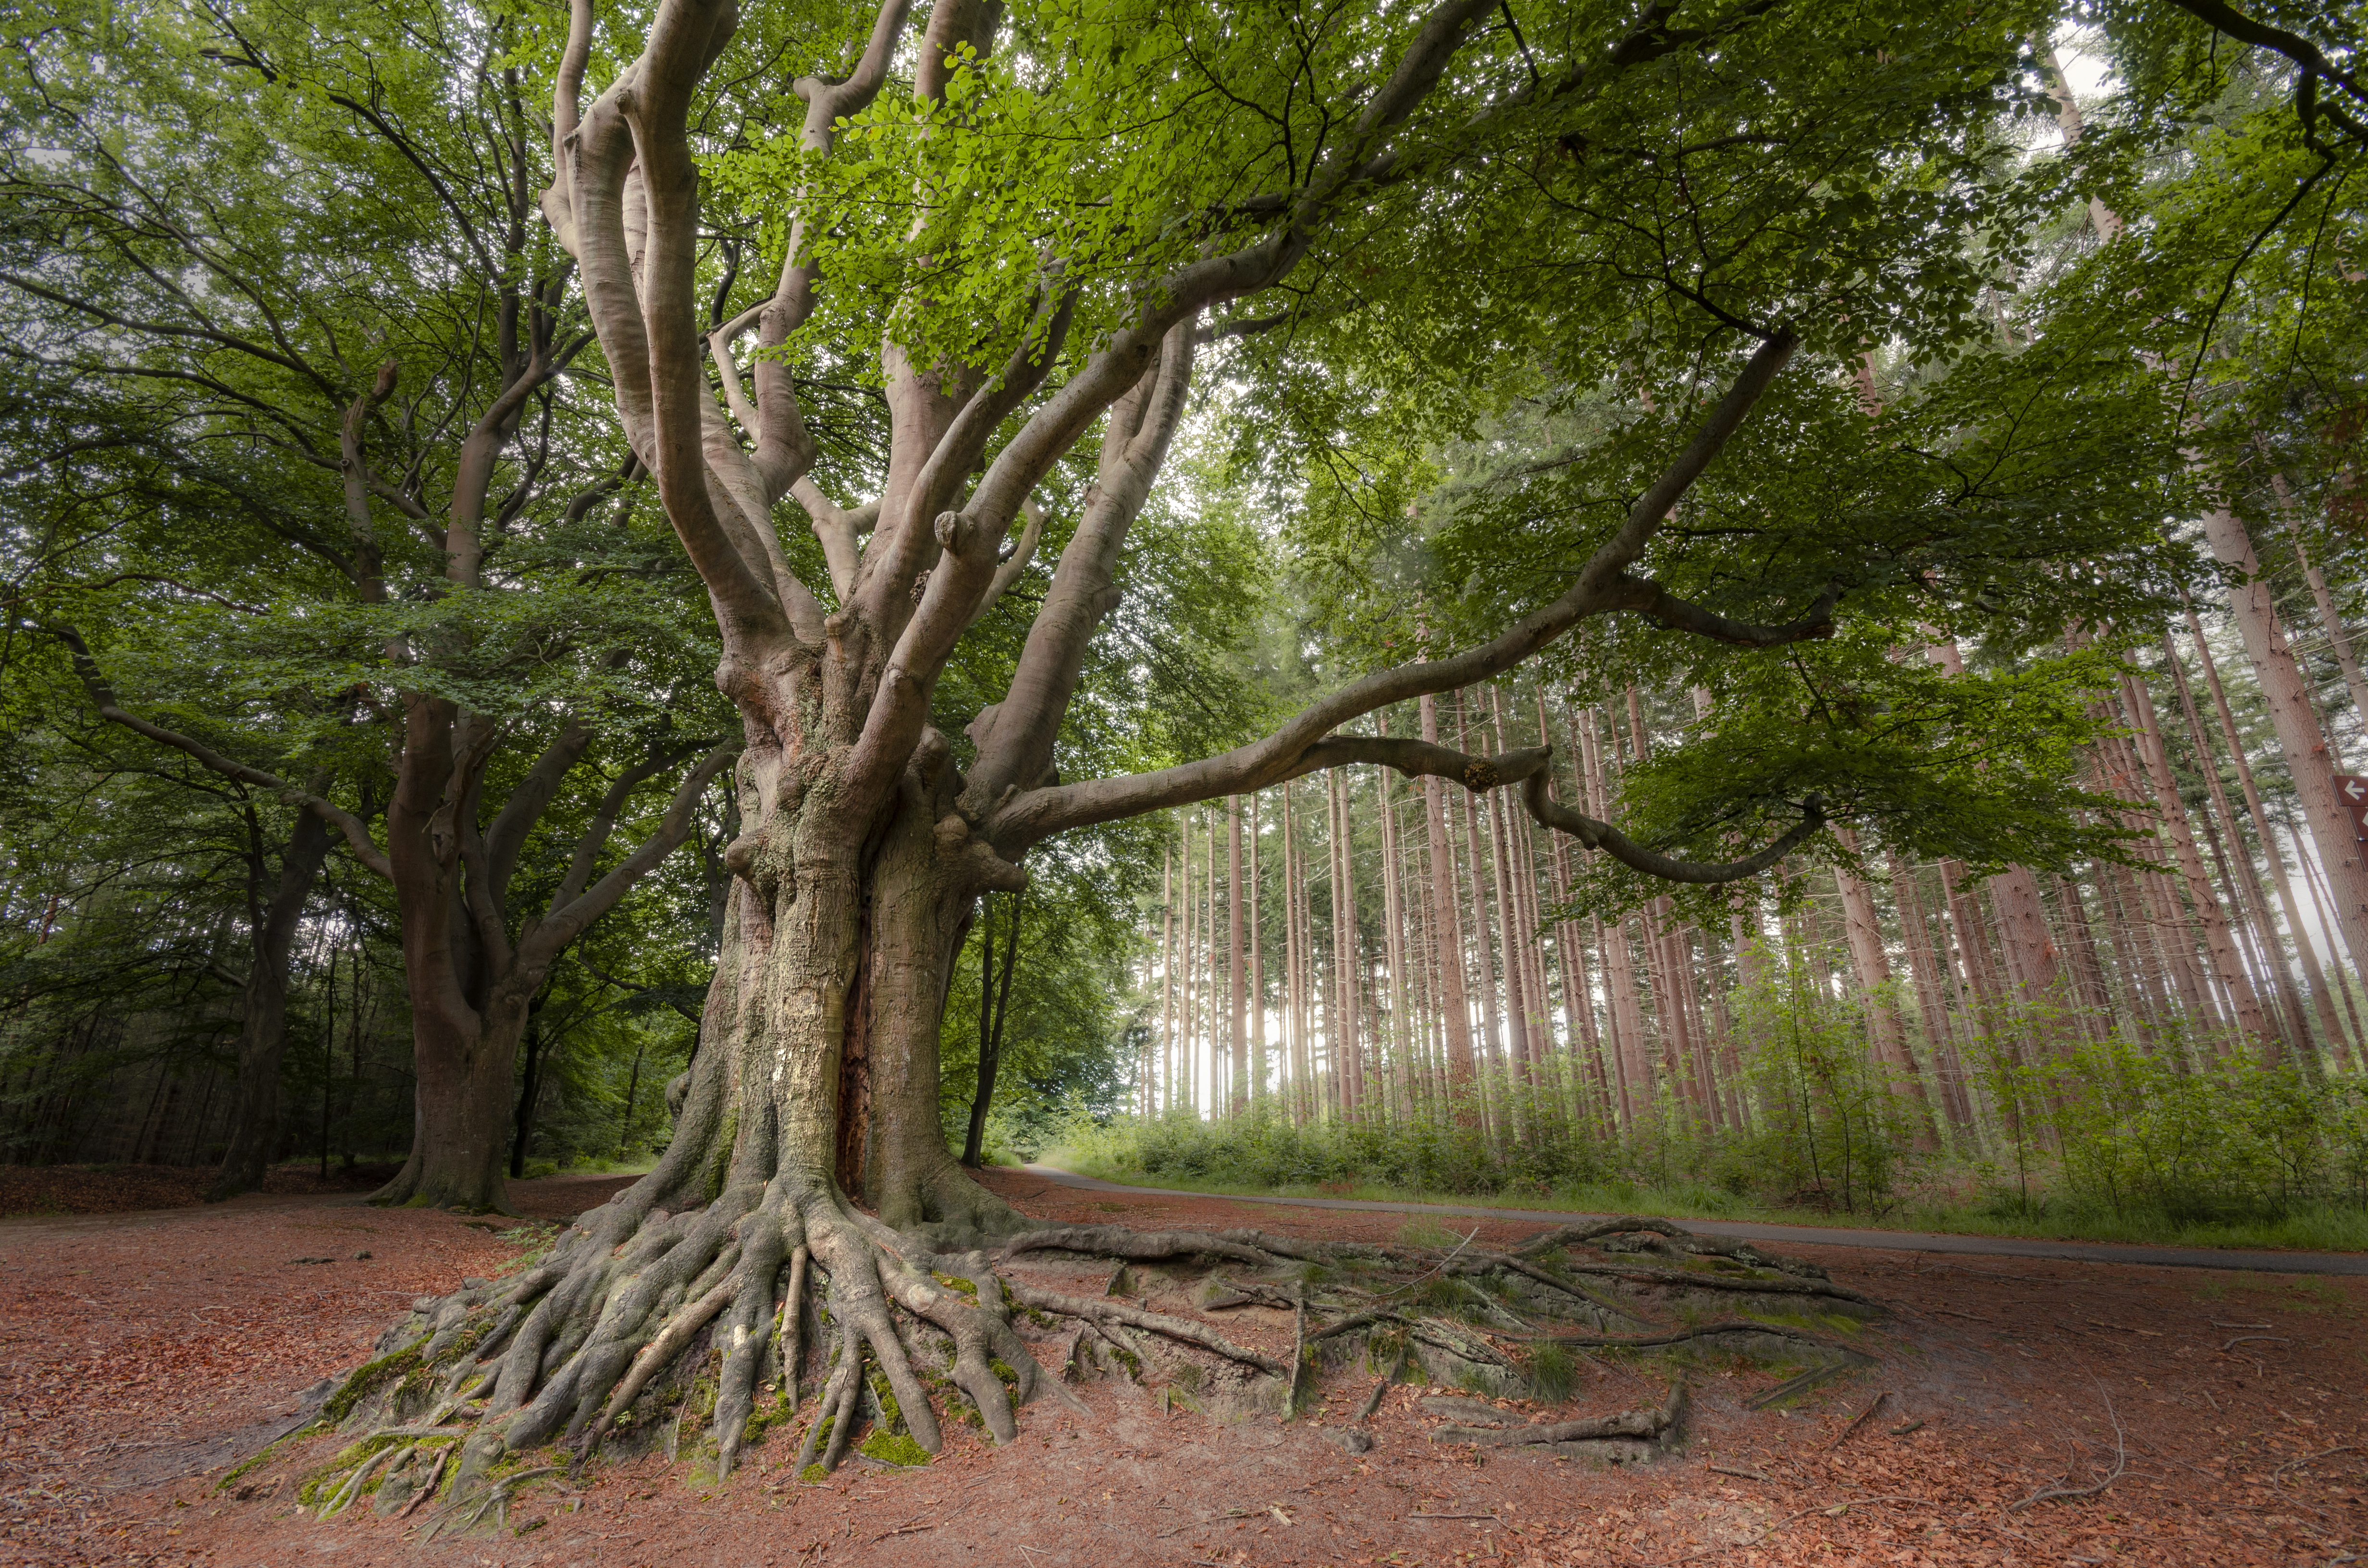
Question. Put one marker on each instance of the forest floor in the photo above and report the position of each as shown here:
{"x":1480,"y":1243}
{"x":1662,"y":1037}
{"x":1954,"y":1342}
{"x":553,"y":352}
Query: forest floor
{"x":31,"y":1191}
{"x":143,"y":1354}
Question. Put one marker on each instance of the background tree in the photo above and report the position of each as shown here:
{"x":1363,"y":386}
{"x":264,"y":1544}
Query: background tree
{"x":447,"y":578}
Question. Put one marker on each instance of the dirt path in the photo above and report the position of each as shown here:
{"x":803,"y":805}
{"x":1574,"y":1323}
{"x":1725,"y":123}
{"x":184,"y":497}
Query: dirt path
{"x":1816,"y":1235}
{"x":142,"y":1351}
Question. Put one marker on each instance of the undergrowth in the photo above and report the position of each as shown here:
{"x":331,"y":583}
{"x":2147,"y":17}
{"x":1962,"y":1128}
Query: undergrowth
{"x":2180,"y":1142}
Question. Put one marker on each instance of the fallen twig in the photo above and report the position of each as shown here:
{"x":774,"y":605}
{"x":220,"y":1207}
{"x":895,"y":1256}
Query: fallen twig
{"x":1860,"y":1419}
{"x":1801,"y":1384}
{"x":1434,"y":1269}
{"x":2117,"y":1328}
{"x":2120,"y":1463}
{"x":2338,"y":1448}
{"x":2248,"y":1338}
{"x":427,"y":1487}
{"x":1747,"y":1474}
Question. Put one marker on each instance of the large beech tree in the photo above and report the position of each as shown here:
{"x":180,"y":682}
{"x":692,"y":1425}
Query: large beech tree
{"x":1050,"y":228}
{"x":1071,"y":213}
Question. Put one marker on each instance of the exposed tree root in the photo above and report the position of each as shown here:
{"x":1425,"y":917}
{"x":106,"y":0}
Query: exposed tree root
{"x":1645,"y":1426}
{"x":1184,"y":1329}
{"x":1117,"y":1240}
{"x":779,"y":1304}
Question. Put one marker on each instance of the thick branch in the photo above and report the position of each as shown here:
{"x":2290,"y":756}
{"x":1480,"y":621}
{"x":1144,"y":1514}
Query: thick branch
{"x":1603,"y":585}
{"x":1015,"y":738}
{"x":102,"y":697}
{"x":1680,"y":615}
{"x":527,"y":802}
{"x":604,"y":820}
{"x":564,"y":924}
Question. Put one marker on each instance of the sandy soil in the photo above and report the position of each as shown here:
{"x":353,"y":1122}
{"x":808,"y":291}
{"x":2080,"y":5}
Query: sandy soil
{"x":145,"y":1353}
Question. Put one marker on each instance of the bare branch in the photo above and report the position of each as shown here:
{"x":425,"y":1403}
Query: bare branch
{"x":1680,"y":615}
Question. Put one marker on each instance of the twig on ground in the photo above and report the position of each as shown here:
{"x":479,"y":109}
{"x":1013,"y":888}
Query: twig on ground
{"x":1451,"y":1516}
{"x":2338,"y":1448}
{"x":1915,"y":1426}
{"x":2248,"y":1338}
{"x":2117,"y":1328}
{"x":1860,"y":1419}
{"x":1801,"y":1384}
{"x":2120,"y":1463}
{"x":427,"y":1487}
{"x":1747,"y":1473}
{"x":1374,"y":1400}
{"x":2218,"y":1324}
{"x":1434,"y":1269}
{"x":916,"y":1526}
{"x":1947,"y":1313}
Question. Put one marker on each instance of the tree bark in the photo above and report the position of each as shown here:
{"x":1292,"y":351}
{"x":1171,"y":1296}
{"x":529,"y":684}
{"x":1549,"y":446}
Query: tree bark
{"x":1863,"y":929}
{"x":2248,"y":877}
{"x":2300,"y":739}
{"x":1446,"y":913}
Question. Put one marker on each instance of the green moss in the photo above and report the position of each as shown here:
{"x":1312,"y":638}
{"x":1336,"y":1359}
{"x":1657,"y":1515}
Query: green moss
{"x":966,"y":1289}
{"x":768,"y":1415}
{"x":1003,"y":1370}
{"x":370,"y":1376}
{"x":890,"y":1414}
{"x":814,"y":1474}
{"x":895,"y":1448}
{"x":264,"y":1455}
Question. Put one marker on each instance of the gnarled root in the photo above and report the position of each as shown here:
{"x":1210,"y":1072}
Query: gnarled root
{"x":1641,"y":1425}
{"x":714,"y":1311}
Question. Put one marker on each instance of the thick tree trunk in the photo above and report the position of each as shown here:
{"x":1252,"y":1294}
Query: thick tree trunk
{"x":263,"y":1025}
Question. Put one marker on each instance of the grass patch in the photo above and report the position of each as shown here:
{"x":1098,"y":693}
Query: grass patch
{"x":2322,"y":1227}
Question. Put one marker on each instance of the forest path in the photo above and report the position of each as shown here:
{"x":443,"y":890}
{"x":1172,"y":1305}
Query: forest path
{"x":1820,"y":1235}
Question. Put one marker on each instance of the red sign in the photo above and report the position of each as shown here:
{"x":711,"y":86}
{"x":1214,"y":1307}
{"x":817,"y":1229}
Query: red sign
{"x":2351,"y":792}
